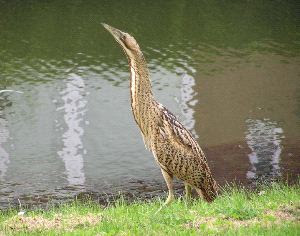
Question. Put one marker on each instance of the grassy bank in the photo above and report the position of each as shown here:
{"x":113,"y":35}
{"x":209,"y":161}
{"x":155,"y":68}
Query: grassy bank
{"x":272,"y":211}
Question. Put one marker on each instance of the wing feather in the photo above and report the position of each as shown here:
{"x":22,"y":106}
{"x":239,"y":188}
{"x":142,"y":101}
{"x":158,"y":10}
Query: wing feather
{"x":171,"y":128}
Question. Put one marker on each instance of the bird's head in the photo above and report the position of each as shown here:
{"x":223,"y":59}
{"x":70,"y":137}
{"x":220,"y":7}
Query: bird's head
{"x":127,"y":42}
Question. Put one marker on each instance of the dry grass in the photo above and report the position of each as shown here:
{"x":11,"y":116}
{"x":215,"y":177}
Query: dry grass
{"x":59,"y":222}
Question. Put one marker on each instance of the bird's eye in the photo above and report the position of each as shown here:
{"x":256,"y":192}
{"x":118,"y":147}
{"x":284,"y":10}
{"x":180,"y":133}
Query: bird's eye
{"x":123,"y":37}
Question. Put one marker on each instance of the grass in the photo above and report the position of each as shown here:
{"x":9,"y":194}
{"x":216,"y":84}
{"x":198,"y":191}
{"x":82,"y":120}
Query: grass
{"x":275,"y":210}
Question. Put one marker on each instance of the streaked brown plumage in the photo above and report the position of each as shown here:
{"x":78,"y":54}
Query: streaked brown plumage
{"x":173,"y":147}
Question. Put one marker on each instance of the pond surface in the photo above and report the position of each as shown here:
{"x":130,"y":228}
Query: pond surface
{"x":230,"y":72}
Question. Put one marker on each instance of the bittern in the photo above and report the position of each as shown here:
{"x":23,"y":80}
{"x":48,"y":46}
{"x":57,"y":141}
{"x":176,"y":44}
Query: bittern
{"x":174,"y":148}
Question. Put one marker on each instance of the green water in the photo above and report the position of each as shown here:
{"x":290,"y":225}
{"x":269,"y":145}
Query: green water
{"x":228,"y":69}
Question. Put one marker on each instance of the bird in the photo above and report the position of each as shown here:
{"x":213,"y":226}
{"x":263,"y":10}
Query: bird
{"x":175,"y":150}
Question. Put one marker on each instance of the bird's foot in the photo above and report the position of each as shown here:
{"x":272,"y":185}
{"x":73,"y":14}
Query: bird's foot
{"x":170,"y":199}
{"x":188,"y":192}
{"x":187,"y":198}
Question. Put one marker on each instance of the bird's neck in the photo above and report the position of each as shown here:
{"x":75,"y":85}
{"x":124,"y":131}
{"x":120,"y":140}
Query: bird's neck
{"x":141,"y":93}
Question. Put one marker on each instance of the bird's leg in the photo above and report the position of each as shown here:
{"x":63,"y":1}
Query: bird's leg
{"x":188,"y":191}
{"x":199,"y":191}
{"x":169,"y":181}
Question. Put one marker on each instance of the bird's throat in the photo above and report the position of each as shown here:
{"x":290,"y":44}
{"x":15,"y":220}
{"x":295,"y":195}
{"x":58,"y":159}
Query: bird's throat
{"x":141,"y":94}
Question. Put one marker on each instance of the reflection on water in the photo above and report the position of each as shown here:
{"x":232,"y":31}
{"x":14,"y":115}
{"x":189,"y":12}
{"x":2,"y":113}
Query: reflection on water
{"x":74,"y":111}
{"x":9,"y":90}
{"x":264,"y":140}
{"x":188,"y":101}
{"x":4,"y":157}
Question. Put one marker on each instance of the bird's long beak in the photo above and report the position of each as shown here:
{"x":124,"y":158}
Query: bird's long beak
{"x":118,"y":34}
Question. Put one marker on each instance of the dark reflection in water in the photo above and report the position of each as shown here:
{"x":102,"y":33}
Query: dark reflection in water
{"x":230,"y":71}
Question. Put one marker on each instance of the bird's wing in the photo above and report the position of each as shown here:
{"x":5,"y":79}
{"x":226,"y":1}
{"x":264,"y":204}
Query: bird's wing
{"x":171,"y":128}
